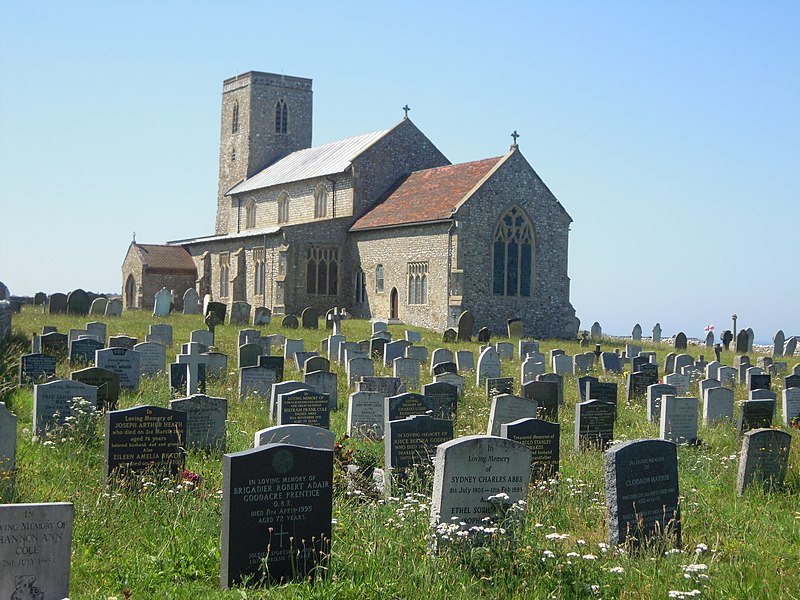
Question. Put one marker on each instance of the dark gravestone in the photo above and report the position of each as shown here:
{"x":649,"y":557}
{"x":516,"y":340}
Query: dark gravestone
{"x":638,"y":361}
{"x":546,"y":395}
{"x":82,"y":351}
{"x":106,"y":382}
{"x":450,"y":335}
{"x":444,"y":398}
{"x":791,"y":381}
{"x":642,"y":493}
{"x":377,"y":347}
{"x":277,"y":504}
{"x":304,"y":407}
{"x":276,"y":363}
{"x":309,"y":318}
{"x":39,"y":299}
{"x":145,"y":440}
{"x":602,"y":390}
{"x":594,"y":424}
{"x":122,"y":341}
{"x":515,"y":328}
{"x":638,"y":382}
{"x":610,"y":362}
{"x":316,"y":363}
{"x":498,"y":385}
{"x":407,"y":405}
{"x":764,"y":459}
{"x":388,"y":386}
{"x":55,"y":344}
{"x":218,"y":309}
{"x":727,"y":338}
{"x":542,"y":437}
{"x":290,"y":322}
{"x":78,"y":302}
{"x":36,"y":367}
{"x":557,"y":379}
{"x":57,"y":303}
{"x":484,"y":335}
{"x":248,"y":354}
{"x":583,"y":383}
{"x":755,"y":414}
{"x":742,"y":342}
{"x":445,"y":367}
{"x":179,"y":377}
{"x":760,"y":382}
{"x":465,"y":324}
{"x":412,"y":442}
{"x":205,"y":421}
{"x":680,"y":341}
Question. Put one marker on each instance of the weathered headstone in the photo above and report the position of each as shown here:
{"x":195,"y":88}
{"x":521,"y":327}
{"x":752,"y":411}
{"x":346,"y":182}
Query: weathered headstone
{"x":638,"y":382}
{"x":306,"y":436}
{"x":406,"y":405}
{"x":277,"y":503}
{"x":444,"y":399}
{"x":531,"y":369}
{"x":516,"y":328}
{"x":52,"y":402}
{"x":678,"y":419}
{"x":8,"y":451}
{"x":123,"y":362}
{"x":754,"y":414}
{"x":498,"y":385}
{"x":82,"y":351}
{"x":654,"y":395}
{"x":583,"y":384}
{"x":642,"y":492}
{"x":78,"y":302}
{"x":248,"y":355}
{"x":365,"y":415}
{"x":484,"y":335}
{"x":202,"y":337}
{"x":506,"y":408}
{"x":261,"y":316}
{"x":452,"y":379}
{"x":636,"y":334}
{"x":98,"y":306}
{"x":290,"y":322}
{"x":152,"y":358}
{"x":386,"y":386}
{"x":602,"y":390}
{"x":488,"y":365}
{"x":465,"y":360}
{"x":505,"y":350}
{"x":191,"y":301}
{"x":790,"y":402}
{"x":465,"y":324}
{"x":162,"y":304}
{"x":309,"y":318}
{"x":610,"y":362}
{"x":106,"y":382}
{"x":742,"y":342}
{"x":680,"y":341}
{"x":160,"y":333}
{"x":764,"y":459}
{"x":205,"y":421}
{"x":594,"y":424}
{"x":256,"y":381}
{"x":680,"y":381}
{"x":583,"y":363}
{"x":113,"y":307}
{"x":717,"y":405}
{"x":412,"y":442}
{"x":326,"y":383}
{"x":407,"y":370}
{"x":545,"y":394}
{"x":596,"y":331}
{"x":122,"y":341}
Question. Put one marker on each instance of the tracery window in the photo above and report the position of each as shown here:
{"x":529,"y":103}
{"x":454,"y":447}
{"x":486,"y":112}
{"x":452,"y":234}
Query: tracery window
{"x":320,"y":202}
{"x":250,"y":214}
{"x":418,"y":283}
{"x":281,"y":117}
{"x":322,"y":271}
{"x":224,"y":274}
{"x":379,"y":279}
{"x":512,"y":250}
{"x":361,"y":287}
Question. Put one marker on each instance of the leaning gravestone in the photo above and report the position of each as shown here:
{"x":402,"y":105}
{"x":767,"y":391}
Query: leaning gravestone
{"x":365,"y":415}
{"x":277,"y":503}
{"x":594,"y":424}
{"x":36,"y":550}
{"x":144,"y":440}
{"x":123,"y":362}
{"x":542,"y":438}
{"x":642,"y":492}
{"x":465,"y":324}
{"x":191,"y":301}
{"x":162,"y":304}
{"x":506,"y":409}
{"x":764,"y":459}
{"x":205,"y":421}
{"x":218,"y":309}
{"x":468,"y":471}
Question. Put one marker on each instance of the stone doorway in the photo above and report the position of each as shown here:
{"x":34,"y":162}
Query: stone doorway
{"x":130,"y":292}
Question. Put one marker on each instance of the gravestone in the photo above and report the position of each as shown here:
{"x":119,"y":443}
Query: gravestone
{"x":261,"y":316}
{"x":680,"y":341}
{"x":205,"y":421}
{"x":202,"y":337}
{"x":678,"y":419}
{"x":291,"y":347}
{"x":106,"y":382}
{"x":82,"y":351}
{"x":218,"y":309}
{"x":441,"y":355}
{"x":407,"y":370}
{"x":562,"y":364}
{"x":160,"y":333}
{"x":583,"y":363}
{"x":256,"y":381}
{"x":248,"y":355}
{"x":123,"y":362}
{"x":449,"y":336}
{"x":596,"y":331}
{"x":531,"y":369}
{"x":465,"y":360}
{"x":758,"y":381}
{"x":610,"y":362}
{"x":98,"y":330}
{"x":444,"y":399}
{"x":316,"y":363}
{"x":638,"y":382}
{"x":791,"y":346}
{"x":276,"y":363}
{"x":114,"y":307}
{"x":484,"y":335}
{"x":594,"y":424}
{"x":755,"y":414}
{"x":515,"y":328}
{"x":527,"y":348}
{"x":277,"y":503}
{"x":764,"y":459}
{"x":55,"y":344}
{"x":465,"y":324}
{"x":8,"y":451}
{"x":98,"y":306}
{"x":712,"y":370}
{"x":496,"y":386}
{"x":468,"y":471}
{"x":290,"y":322}
{"x":191,"y":302}
{"x":379,"y":326}
{"x":195,"y":364}
{"x":790,"y":403}
{"x":36,"y":551}
{"x":726,"y":338}
{"x":750,"y":338}
{"x":452,"y":379}
{"x":407,"y":405}
{"x":57,"y":303}
{"x":386,"y":386}
{"x":306,"y":436}
{"x":284,"y":387}
{"x":683,"y":360}
{"x":419,"y":353}
{"x":304,"y":407}
{"x":681,"y":382}
{"x":163,"y":303}
{"x":791,"y":381}
{"x":309,"y":318}
{"x":445,"y":367}
{"x":641,"y":479}
{"x":545,"y":394}
{"x":144,"y":440}
{"x":717,"y":405}
{"x":360,"y":367}
{"x":636,"y":334}
{"x":216,"y":365}
{"x":377,"y":347}
{"x":762,"y":394}
{"x":727,"y":376}
{"x":669,"y":363}
{"x":326,"y":383}
{"x":78,"y":302}
{"x":122,"y":341}
{"x":583,"y":383}
{"x":365,"y":415}
{"x":707,"y":384}
{"x":602,"y":390}
{"x":542,"y":438}
{"x":412,"y":442}
{"x":654,"y":395}
{"x":394,"y":350}
{"x":742,"y":342}
{"x":415,"y":337}
{"x":52,"y":402}
{"x":488,"y":365}
{"x":507,"y":408}
{"x":152,"y":358}
{"x":505,"y":350}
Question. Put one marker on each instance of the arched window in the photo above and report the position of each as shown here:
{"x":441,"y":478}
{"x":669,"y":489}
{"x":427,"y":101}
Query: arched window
{"x":513,"y":259}
{"x":283,"y":208}
{"x":281,"y":117}
{"x":224,"y":274}
{"x":322,"y":271}
{"x":258,"y":271}
{"x":418,"y":283}
{"x":250,"y":214}
{"x":235,"y":117}
{"x":361,"y":287}
{"x":379,"y":279}
{"x":320,"y":202}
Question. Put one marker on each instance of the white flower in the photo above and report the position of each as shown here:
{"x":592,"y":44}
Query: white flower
{"x":548,"y":554}
{"x":700,"y":548}
{"x":617,"y":570}
{"x":556,"y":536}
{"x":589,"y":557}
{"x":572,"y":555}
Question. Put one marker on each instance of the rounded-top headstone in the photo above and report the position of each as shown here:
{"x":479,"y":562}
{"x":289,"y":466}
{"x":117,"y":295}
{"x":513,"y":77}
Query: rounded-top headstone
{"x":290,"y":322}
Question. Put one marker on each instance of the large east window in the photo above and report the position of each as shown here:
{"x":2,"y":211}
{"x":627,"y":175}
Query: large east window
{"x":512,"y":255}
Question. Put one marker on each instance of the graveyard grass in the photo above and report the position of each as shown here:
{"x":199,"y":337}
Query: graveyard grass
{"x":163,"y":538}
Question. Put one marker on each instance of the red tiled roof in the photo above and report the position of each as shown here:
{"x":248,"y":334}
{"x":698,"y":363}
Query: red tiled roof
{"x":173,"y":258}
{"x":428,"y":195}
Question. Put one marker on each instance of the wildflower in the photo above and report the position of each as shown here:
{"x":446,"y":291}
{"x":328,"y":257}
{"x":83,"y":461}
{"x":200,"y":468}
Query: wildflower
{"x":700,"y":548}
{"x":603,"y":547}
{"x":589,"y":557}
{"x":573,"y":555}
{"x":581,"y":542}
{"x":616,"y":570}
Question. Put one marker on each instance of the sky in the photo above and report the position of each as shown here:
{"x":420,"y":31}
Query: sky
{"x":669,"y":131}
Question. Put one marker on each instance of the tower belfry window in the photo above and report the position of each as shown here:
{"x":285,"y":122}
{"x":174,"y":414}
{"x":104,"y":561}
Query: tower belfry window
{"x":235,"y":117}
{"x":281,"y":117}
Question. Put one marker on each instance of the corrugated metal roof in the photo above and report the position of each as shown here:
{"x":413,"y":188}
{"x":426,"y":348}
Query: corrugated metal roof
{"x":311,"y":162}
{"x":228,"y":236}
{"x":173,"y":258}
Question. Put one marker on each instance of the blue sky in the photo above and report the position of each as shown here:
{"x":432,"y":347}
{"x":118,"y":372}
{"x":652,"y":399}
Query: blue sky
{"x":669,"y":131}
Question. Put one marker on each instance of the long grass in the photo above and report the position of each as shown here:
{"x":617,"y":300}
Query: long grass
{"x":162,"y":540}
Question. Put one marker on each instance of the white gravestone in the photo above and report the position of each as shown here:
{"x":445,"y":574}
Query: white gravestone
{"x":678,"y":419}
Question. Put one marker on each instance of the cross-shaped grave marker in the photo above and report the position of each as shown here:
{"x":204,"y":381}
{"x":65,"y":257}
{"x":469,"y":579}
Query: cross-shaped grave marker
{"x":191,"y":357}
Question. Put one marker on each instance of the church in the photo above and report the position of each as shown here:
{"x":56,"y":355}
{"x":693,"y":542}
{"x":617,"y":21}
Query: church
{"x":381,"y":224}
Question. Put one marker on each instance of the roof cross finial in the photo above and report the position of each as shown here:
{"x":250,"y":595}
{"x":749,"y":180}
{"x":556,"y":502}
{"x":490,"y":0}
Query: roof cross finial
{"x":514,"y":135}
{"x":134,"y":237}
{"x":406,"y":109}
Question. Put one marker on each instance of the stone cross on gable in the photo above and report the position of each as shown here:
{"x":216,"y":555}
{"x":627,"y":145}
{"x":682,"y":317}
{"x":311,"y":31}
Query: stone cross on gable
{"x":406,"y":109}
{"x":515,"y":135}
{"x":192,"y":358}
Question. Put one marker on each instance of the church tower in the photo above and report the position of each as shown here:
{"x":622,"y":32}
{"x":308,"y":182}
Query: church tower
{"x":264,"y":118}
